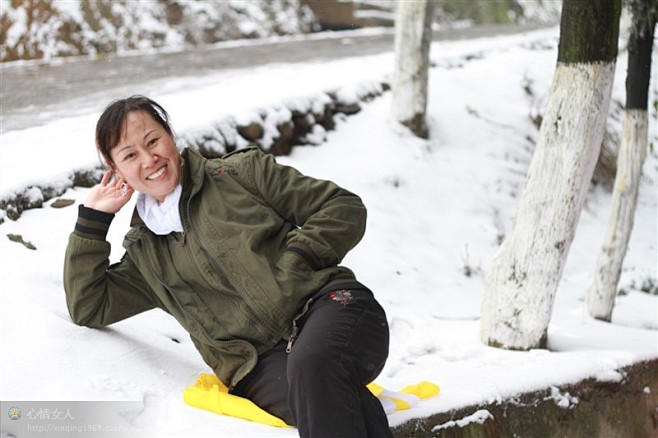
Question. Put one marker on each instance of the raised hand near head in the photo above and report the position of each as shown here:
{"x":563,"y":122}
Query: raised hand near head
{"x":110,"y":195}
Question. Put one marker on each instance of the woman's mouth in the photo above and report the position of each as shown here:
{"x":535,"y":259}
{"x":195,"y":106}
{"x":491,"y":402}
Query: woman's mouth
{"x":157,"y":174}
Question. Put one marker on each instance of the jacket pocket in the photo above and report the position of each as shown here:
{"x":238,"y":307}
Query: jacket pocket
{"x":296,"y":277}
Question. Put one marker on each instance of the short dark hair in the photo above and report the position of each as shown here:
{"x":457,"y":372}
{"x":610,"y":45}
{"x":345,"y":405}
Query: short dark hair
{"x":110,"y":124}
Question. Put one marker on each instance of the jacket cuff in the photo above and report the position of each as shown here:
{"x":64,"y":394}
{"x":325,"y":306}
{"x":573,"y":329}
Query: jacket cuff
{"x":302,"y":249}
{"x":93,"y":224}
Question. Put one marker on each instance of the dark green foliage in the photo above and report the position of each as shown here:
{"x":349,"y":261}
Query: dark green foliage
{"x":589,"y":31}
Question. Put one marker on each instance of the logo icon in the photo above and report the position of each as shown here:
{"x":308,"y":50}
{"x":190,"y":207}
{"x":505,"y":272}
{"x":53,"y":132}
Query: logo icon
{"x":14,"y":413}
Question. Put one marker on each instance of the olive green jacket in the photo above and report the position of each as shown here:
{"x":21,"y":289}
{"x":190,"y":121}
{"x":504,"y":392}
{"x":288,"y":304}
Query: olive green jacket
{"x":259,"y":240}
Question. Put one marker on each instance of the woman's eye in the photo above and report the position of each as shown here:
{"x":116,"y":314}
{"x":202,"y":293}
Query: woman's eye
{"x":152,"y":141}
{"x":128,"y":156}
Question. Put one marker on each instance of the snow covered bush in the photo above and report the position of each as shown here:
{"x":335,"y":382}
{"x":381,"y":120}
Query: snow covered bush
{"x":44,"y":29}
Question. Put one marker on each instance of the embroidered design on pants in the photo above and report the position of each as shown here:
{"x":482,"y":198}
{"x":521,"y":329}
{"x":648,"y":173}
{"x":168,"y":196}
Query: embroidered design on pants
{"x":341,"y":296}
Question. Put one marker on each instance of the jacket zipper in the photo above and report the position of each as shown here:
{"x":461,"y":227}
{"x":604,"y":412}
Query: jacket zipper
{"x":295,"y":327}
{"x":292,"y":337}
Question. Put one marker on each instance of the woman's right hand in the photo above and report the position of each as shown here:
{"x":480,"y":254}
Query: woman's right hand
{"x":108,"y":196}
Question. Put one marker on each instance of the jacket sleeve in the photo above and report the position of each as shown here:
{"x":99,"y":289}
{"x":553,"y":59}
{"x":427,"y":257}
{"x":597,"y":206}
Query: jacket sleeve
{"x":330,"y":220}
{"x":98,"y":294}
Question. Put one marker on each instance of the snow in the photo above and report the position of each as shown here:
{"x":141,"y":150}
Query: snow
{"x":479,"y":416}
{"x":437,"y":211}
{"x":517,"y":313}
{"x":563,"y":399}
{"x":37,"y":32}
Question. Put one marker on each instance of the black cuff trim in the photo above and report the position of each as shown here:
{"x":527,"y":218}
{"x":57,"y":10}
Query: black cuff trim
{"x":94,"y":215}
{"x":93,"y":231}
{"x":92,"y":223}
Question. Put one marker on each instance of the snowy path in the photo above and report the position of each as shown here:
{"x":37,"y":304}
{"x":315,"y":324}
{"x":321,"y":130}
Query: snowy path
{"x":72,"y":86}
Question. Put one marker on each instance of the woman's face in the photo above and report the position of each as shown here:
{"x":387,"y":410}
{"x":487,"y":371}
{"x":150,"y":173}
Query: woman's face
{"x":146,"y":157}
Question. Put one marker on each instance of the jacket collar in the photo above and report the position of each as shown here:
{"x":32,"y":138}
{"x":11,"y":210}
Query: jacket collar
{"x":192,"y":165}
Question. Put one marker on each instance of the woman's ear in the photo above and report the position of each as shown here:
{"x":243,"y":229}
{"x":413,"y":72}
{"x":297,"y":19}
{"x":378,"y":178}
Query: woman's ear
{"x":117,"y":173}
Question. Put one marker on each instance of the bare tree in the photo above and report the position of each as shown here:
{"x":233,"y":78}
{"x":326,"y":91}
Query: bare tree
{"x":413,"y":34}
{"x":632,"y":152}
{"x":524,"y":274}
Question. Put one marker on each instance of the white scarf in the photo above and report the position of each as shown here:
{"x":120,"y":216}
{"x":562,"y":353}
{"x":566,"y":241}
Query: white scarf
{"x":161,"y":217}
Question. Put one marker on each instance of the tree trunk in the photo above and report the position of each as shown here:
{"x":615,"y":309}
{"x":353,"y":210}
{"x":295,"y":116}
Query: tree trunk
{"x":524,"y":274}
{"x":413,"y":34}
{"x":633,"y":150}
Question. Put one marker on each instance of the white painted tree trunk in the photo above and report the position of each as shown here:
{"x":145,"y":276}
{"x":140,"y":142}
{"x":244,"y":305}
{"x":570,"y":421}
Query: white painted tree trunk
{"x":523,"y":277}
{"x":633,"y":150}
{"x":410,"y":76}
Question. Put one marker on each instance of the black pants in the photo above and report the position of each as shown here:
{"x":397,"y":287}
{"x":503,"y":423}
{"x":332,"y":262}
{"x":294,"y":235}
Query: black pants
{"x":320,"y":385}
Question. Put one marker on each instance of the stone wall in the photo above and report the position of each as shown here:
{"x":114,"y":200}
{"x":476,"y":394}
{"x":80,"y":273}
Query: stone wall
{"x":590,"y":408}
{"x":277,"y":129}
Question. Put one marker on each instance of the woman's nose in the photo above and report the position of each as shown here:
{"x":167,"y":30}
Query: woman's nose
{"x":148,"y":159}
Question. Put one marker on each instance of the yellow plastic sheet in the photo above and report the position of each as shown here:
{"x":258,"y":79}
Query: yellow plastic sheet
{"x":406,"y":398}
{"x":211,"y":394}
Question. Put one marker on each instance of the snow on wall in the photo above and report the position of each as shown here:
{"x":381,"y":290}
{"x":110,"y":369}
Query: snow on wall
{"x":478,"y":417}
{"x":49,"y":29}
{"x":299,"y":121}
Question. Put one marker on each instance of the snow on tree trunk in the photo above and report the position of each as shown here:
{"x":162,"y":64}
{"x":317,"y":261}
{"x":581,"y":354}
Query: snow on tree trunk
{"x":602,"y":292}
{"x":524,"y":274}
{"x":412,"y":45}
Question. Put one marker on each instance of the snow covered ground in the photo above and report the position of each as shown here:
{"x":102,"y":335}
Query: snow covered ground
{"x":437,"y":209}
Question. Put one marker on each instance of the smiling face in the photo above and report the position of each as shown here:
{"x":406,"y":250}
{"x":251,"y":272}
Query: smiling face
{"x":146,"y":156}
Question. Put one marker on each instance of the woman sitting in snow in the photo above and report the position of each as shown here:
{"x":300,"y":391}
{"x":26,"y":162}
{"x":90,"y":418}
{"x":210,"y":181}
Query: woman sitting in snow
{"x":244,"y":253}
